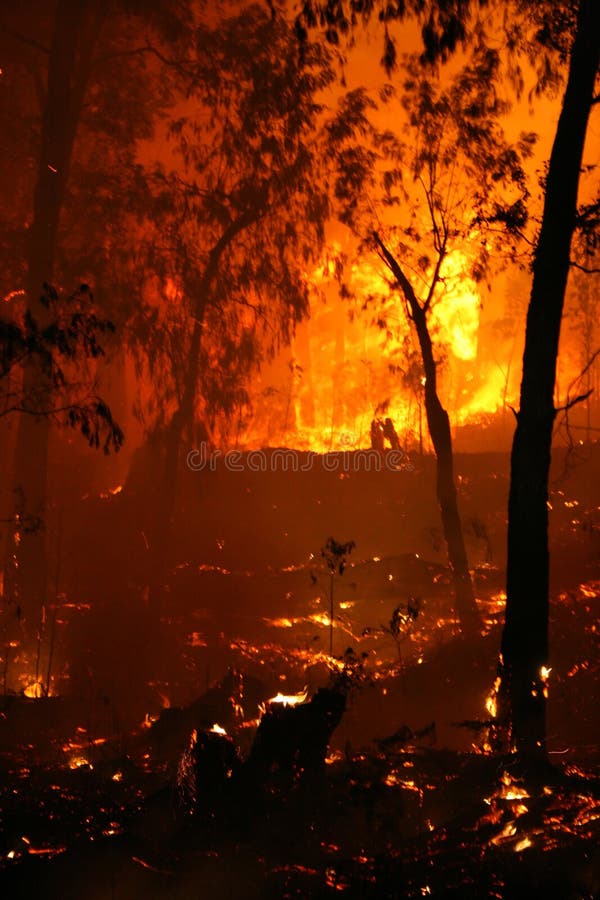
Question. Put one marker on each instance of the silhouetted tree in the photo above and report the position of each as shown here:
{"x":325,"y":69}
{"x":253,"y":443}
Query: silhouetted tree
{"x":238,"y":216}
{"x":335,"y":555}
{"x":452,"y":177}
{"x":548,"y":35}
{"x":62,"y":57}
{"x":444,"y":23}
{"x":61,"y":348}
{"x":525,"y":637}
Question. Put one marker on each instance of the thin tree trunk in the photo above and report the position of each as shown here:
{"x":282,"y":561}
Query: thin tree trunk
{"x":441,"y":438}
{"x":525,"y":636}
{"x":337,"y":381}
{"x":180,"y":425}
{"x":307,"y":396}
{"x":183,"y":418}
{"x":64,"y":95}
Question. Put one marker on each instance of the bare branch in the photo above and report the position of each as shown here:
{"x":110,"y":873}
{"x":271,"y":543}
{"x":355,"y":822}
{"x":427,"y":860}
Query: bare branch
{"x":580,"y":398}
{"x":585,"y":369}
{"x":436,"y":275}
{"x":586,"y":269}
{"x":430,"y":205}
{"x":183,"y":66}
{"x":120,"y":54}
{"x":394,"y":267}
{"x":25,"y":39}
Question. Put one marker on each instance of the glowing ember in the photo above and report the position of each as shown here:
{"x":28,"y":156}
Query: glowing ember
{"x":218,"y":729}
{"x":77,"y":762}
{"x":280,"y":623}
{"x":111,"y":492}
{"x":491,"y":702}
{"x":333,"y":757}
{"x":35,"y":690}
{"x":509,"y":830}
{"x":523,"y":844}
{"x":39,"y":851}
{"x":510,"y":789}
{"x":149,"y":721}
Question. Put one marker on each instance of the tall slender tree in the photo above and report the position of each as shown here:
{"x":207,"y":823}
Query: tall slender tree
{"x":75,"y":24}
{"x":549,"y":35}
{"x":525,"y":652}
{"x":67,"y":50}
{"x":423,"y":198}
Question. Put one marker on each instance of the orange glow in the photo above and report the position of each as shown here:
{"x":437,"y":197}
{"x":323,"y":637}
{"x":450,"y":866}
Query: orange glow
{"x":34,"y":690}
{"x":78,"y":761}
{"x":355,"y":360}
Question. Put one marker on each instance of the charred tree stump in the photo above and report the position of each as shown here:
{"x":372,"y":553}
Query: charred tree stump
{"x":205,"y":772}
{"x":289,"y":750}
{"x":292,"y":741}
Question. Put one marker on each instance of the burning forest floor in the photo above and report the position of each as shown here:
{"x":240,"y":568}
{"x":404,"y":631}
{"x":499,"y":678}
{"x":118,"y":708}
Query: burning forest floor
{"x":412,"y":802}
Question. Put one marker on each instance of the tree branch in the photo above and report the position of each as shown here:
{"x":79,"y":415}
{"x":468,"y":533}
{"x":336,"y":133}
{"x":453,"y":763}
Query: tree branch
{"x":436,"y":275}
{"x":184,"y":67}
{"x":580,"y":398}
{"x":586,"y":269}
{"x":246,"y":218}
{"x":392,"y":263}
{"x":592,"y":359}
{"x":25,"y":39}
{"x":120,"y":54}
{"x":431,"y":208}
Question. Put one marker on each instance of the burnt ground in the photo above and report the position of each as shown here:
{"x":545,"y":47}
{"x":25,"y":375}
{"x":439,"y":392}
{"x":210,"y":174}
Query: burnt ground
{"x":87,"y":805}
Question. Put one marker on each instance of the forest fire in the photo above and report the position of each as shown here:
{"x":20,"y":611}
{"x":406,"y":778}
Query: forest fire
{"x":320,"y":280}
{"x":310,"y":410}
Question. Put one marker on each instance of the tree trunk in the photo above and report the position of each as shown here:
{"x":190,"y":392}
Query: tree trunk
{"x":183,"y":418}
{"x":179,"y":426}
{"x":441,"y":438}
{"x":525,"y":636}
{"x":337,"y":382}
{"x":307,"y":391}
{"x":64,"y":95}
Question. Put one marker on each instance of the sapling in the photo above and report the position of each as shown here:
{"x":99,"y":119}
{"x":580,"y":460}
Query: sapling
{"x":335,"y":555}
{"x":402,"y":619}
